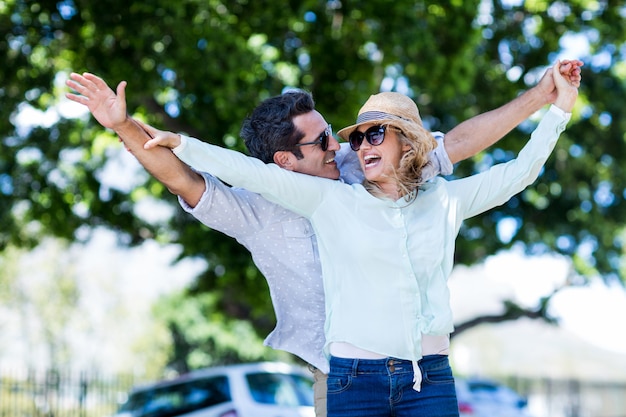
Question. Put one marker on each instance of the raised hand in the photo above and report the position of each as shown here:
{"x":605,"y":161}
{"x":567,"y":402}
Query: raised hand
{"x":566,"y":88}
{"x":108,"y":108}
{"x":569,"y":69}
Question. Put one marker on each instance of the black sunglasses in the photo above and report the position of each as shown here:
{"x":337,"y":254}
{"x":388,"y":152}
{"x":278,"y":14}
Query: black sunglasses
{"x":322,"y":140}
{"x":375,"y":135}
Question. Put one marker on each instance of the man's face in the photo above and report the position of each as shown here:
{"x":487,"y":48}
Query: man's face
{"x":315,"y":161}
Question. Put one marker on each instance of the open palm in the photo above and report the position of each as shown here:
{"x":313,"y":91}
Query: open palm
{"x":108,"y":108}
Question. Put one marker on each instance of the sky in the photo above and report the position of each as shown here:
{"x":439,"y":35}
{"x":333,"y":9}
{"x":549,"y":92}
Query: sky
{"x":594,"y":312}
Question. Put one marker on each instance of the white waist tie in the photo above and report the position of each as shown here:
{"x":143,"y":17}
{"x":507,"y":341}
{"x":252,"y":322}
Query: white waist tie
{"x":417,"y":377}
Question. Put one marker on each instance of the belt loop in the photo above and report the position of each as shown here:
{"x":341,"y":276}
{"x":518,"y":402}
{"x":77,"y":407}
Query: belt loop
{"x":355,"y":366}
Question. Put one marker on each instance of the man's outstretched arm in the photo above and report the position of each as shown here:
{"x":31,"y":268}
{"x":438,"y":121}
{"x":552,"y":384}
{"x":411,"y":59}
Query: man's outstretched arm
{"x":109,"y":109}
{"x":482,"y":131}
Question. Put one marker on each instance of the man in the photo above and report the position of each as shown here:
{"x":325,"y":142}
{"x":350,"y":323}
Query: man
{"x":282,"y":243}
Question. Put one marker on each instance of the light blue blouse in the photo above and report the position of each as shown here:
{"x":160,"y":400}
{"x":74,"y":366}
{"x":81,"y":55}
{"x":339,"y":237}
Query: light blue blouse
{"x":284,"y":248}
{"x":385,"y":263}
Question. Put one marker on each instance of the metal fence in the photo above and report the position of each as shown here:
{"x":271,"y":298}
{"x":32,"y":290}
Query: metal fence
{"x":54,"y":393}
{"x":571,"y":398}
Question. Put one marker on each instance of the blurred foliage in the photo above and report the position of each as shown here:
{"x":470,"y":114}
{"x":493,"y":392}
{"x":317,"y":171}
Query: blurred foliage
{"x":200,"y":66}
{"x":43,"y":300}
{"x":202,"y":335}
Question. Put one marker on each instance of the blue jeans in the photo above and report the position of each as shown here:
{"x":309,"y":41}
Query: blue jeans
{"x":384,"y":388}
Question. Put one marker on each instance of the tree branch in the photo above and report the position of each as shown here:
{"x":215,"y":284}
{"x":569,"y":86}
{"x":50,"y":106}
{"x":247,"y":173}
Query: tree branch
{"x":512,"y":311}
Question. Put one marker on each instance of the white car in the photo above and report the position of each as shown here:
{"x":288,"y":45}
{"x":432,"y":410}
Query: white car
{"x":485,"y":398}
{"x":266,"y":389}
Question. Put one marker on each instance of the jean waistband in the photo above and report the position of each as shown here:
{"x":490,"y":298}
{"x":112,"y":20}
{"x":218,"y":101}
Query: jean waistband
{"x":387,"y":365}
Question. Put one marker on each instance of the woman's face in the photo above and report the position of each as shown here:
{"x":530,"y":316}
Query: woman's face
{"x":380,"y":162}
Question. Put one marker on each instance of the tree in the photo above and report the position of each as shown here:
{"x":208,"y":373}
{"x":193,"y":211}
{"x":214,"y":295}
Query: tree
{"x":42,"y":301}
{"x":200,"y":66}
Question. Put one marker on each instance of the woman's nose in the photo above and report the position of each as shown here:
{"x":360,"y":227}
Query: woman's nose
{"x":365,"y":144}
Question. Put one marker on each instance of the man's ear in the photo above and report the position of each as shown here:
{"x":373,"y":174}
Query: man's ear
{"x":284,"y":159}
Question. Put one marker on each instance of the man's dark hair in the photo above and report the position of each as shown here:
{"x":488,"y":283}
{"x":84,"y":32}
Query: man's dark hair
{"x":270,"y":127}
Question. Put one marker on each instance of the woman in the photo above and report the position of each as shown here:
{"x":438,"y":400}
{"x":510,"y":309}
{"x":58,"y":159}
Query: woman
{"x":386,"y":248}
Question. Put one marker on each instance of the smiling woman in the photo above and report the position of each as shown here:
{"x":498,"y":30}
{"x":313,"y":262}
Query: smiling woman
{"x":424,"y":217}
{"x":392,"y":168}
{"x":415,"y":224}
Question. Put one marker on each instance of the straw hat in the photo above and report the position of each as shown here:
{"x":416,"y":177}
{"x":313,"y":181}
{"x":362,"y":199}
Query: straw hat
{"x":390,"y":108}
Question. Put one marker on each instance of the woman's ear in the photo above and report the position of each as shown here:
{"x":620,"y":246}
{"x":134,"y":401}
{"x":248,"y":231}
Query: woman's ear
{"x":284,"y":159}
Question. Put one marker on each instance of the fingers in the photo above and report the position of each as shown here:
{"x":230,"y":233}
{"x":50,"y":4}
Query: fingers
{"x":152,"y":132}
{"x":121,"y":90}
{"x":565,"y":67}
{"x":570,"y":69}
{"x":577,"y":62}
{"x":560,"y":78}
{"x":76,"y":98}
{"x":96,"y":81}
{"x":570,"y":65}
{"x":563,"y":79}
{"x":80,"y":84}
{"x":75,"y":76}
{"x":83,"y":82}
{"x":121,"y":93}
{"x":573,"y":62}
{"x":76,"y":83}
{"x":88,"y":83}
{"x":556,"y":67}
{"x":152,"y":143}
{"x":160,"y":138}
{"x":575,"y":79}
